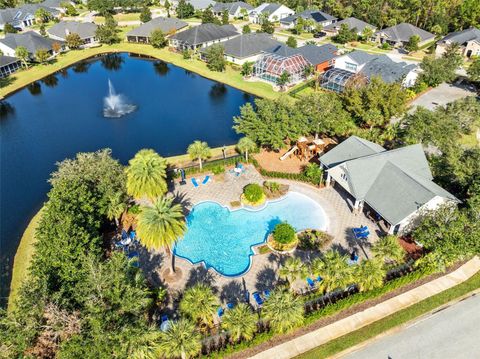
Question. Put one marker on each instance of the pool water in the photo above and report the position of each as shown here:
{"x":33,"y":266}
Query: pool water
{"x":222,"y":239}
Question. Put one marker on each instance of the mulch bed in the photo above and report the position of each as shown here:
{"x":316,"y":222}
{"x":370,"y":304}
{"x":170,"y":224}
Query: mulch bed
{"x":279,"y":339}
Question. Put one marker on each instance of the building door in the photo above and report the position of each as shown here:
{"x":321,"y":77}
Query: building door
{"x":469,"y":53}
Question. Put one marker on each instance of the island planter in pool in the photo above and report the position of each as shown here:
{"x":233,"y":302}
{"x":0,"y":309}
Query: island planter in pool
{"x":223,"y":239}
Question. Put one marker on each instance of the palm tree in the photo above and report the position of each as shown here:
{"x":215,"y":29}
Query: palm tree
{"x":283,"y":310}
{"x":240,"y":322}
{"x":146,"y":175}
{"x":389,"y":249}
{"x":200,"y":304}
{"x":161,"y":225}
{"x":200,"y":151}
{"x":181,"y":340}
{"x":246,"y":145}
{"x":115,"y":207}
{"x":292,"y":270}
{"x":334,"y":270}
{"x":369,"y":274}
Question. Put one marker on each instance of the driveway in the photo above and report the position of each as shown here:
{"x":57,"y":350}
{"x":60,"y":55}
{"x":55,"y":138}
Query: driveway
{"x":449,"y":333}
{"x":441,"y":95}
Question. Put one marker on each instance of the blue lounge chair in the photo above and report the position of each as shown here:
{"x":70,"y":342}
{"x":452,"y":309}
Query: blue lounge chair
{"x":220,"y":312}
{"x":124,"y":234}
{"x":311,"y":283}
{"x":132,"y":255}
{"x":133,"y":235}
{"x":361,"y":235}
{"x":258,"y":298}
{"x":266,"y":293}
{"x":247,"y":296}
{"x":194,"y":181}
{"x":319,"y":279}
{"x":230,"y":305}
{"x":205,"y":181}
{"x":360,"y":230}
{"x":164,"y":318}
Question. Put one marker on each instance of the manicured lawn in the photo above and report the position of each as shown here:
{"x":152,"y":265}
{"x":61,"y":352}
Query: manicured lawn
{"x":22,"y":259}
{"x":394,"y":320}
{"x":133,"y":16}
{"x":215,"y":152}
{"x":229,"y":76}
{"x":470,"y":140}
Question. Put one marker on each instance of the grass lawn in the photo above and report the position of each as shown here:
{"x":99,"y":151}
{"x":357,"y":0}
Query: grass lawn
{"x":215,"y":152}
{"x":22,"y":258}
{"x":470,"y":140}
{"x":131,"y":16}
{"x":229,"y":77}
{"x":394,"y":320}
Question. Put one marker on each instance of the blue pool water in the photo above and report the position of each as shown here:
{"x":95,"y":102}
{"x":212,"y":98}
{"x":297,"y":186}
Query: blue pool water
{"x":222,"y":239}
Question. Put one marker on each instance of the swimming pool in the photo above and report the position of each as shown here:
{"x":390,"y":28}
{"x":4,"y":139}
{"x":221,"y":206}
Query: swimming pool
{"x":222,"y":239}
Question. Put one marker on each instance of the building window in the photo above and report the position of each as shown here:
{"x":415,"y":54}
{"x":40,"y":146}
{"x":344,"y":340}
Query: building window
{"x":350,"y":67}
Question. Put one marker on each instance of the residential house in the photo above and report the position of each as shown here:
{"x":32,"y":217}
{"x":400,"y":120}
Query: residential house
{"x":57,"y":4}
{"x":198,"y":5}
{"x":168,"y":25}
{"x":271,"y":11}
{"x":247,"y":47}
{"x":202,"y":36}
{"x":351,"y":22}
{"x":316,"y":17}
{"x":358,"y":67}
{"x":321,"y":57}
{"x":399,"y":35}
{"x":468,"y":40}
{"x":8,"y":65}
{"x":396,"y":185}
{"x":86,"y":31}
{"x":23,"y":16}
{"x":235,"y":9}
{"x":31,"y":40}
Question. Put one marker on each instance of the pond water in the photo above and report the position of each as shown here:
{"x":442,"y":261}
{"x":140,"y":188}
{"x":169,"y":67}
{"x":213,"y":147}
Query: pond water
{"x":63,"y":114}
{"x":223,"y":239}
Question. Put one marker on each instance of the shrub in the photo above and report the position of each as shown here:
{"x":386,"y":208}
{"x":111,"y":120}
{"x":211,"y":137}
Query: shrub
{"x":135,"y":209}
{"x":272,"y":186}
{"x":313,"y":239}
{"x":284,"y":233}
{"x":218,"y":170}
{"x":253,"y":193}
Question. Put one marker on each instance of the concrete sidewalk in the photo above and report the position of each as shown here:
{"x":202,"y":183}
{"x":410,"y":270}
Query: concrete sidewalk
{"x":344,"y":326}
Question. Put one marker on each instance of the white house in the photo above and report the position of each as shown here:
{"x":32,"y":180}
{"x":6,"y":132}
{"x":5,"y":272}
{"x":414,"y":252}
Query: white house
{"x":30,"y":40}
{"x":235,"y":9}
{"x":316,"y":17}
{"x":468,"y":41}
{"x":397,"y":184}
{"x":273,"y":12}
{"x":86,"y":31}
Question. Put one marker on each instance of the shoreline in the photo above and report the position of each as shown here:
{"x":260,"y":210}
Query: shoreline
{"x":229,"y":77}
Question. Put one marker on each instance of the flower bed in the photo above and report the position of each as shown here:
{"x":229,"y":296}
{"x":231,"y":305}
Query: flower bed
{"x":283,"y":238}
{"x":253,"y":195}
{"x":312,"y":239}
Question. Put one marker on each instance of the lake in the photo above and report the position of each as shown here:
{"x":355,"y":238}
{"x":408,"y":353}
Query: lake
{"x":62,"y":114}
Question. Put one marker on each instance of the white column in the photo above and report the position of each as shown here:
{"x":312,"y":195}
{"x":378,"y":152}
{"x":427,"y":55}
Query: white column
{"x":391,"y":229}
{"x":328,"y":180}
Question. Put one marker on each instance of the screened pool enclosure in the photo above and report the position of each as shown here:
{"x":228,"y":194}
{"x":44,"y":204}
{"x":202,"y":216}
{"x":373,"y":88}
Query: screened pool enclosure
{"x":271,"y":66}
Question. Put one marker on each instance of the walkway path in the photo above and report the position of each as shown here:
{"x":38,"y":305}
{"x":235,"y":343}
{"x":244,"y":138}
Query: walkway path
{"x":335,"y":330}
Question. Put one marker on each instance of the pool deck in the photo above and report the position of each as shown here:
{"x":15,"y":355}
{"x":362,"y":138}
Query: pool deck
{"x":263,"y":273}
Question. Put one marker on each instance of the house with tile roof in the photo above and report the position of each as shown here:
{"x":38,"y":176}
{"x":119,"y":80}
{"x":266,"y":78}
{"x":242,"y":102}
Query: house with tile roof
{"x":399,"y":35}
{"x":272,"y":11}
{"x":468,"y":40}
{"x":316,"y":16}
{"x":167,"y":25}
{"x":202,"y":36}
{"x":86,"y":31}
{"x":395,"y":184}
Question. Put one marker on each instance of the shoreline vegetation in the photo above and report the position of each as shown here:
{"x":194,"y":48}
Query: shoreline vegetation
{"x":230,"y":76}
{"x":25,"y":249}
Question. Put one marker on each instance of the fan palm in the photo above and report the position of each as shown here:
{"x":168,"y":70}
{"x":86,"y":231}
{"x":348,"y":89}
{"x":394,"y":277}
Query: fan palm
{"x":246,"y":145}
{"x":369,"y":274}
{"x":181,"y":340}
{"x":240,"y":322}
{"x":334,"y":271}
{"x":146,"y":175}
{"x":115,"y":207}
{"x":200,"y":151}
{"x":200,"y":304}
{"x":389,"y":249}
{"x":283,"y":310}
{"x":292,"y":270}
{"x":161,"y":225}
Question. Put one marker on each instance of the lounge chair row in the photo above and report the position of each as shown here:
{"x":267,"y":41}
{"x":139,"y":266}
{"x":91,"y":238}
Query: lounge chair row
{"x":312,"y":283}
{"x":260,"y":298}
{"x":361,"y":232}
{"x":205,"y":181}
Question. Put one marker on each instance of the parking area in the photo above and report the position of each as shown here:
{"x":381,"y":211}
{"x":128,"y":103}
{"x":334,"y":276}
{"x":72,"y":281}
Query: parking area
{"x":442,"y":95}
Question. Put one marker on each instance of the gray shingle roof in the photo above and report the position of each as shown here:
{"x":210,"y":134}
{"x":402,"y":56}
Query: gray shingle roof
{"x":84,"y":29}
{"x":318,"y":54}
{"x":394,"y":183}
{"x":30,"y":40}
{"x":316,"y":15}
{"x":165,"y":24}
{"x":231,"y":7}
{"x":204,"y":33}
{"x":247,"y":45}
{"x":403,"y":32}
{"x":7,"y":60}
{"x":201,"y":4}
{"x":352,"y":23}
{"x":270,"y":8}
{"x":389,"y":70}
{"x":462,"y":37}
{"x":361,"y":57}
{"x":15,"y":15}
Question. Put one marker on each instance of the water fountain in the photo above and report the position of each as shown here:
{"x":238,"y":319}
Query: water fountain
{"x":115,"y":104}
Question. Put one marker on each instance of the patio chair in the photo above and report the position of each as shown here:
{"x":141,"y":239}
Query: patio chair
{"x":319,"y":279}
{"x":133,"y":235}
{"x":164,"y":318}
{"x":360,"y":230}
{"x":362,"y":235}
{"x":230,"y":305}
{"x":206,"y":180}
{"x":124,"y":234}
{"x":220,"y":312}
{"x":311,"y":283}
{"x":194,"y":182}
{"x":258,"y":298}
{"x":132,"y":255}
{"x":266,"y":294}
{"x":247,"y":296}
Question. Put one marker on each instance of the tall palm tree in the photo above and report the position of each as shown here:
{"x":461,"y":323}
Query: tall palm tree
{"x":240,"y":322}
{"x":160,"y":225}
{"x":334,"y":270}
{"x":146,"y":175}
{"x":389,"y":249}
{"x":115,"y":207}
{"x":200,"y":151}
{"x":292,"y":270}
{"x":181,"y":340}
{"x":200,"y":304}
{"x":369,"y":274}
{"x":246,"y":145}
{"x":283,"y":310}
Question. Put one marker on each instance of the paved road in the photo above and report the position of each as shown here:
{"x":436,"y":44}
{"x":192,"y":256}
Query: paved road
{"x":452,"y":333}
{"x":441,"y":95}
